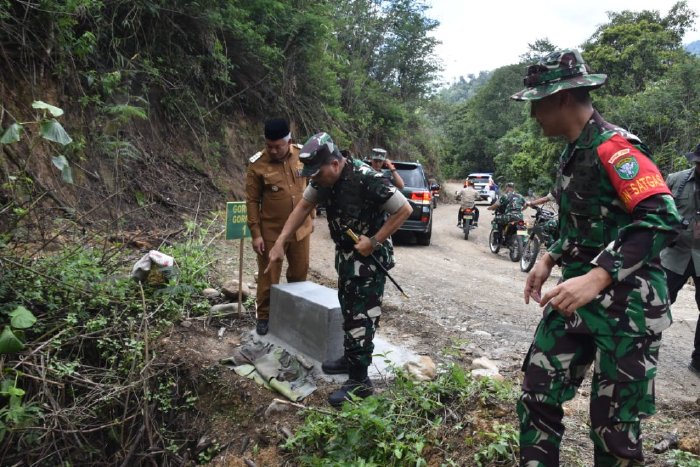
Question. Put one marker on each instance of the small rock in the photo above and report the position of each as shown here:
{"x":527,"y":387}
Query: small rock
{"x":670,"y":441}
{"x":487,"y":373}
{"x":211,"y":293}
{"x":568,"y":411}
{"x":583,"y":392}
{"x":224,"y":308}
{"x":484,"y":363}
{"x":255,"y":277}
{"x":186,"y":324}
{"x":422,"y":370}
{"x":221,"y":332}
{"x":481,"y":333}
{"x":276,"y":408}
{"x":230,"y":290}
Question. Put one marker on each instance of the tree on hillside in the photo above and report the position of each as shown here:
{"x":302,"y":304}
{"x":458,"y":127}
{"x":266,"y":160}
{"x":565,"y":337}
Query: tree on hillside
{"x":406,"y":63}
{"x":537,"y":49}
{"x":635,"y":48}
{"x":476,"y":125}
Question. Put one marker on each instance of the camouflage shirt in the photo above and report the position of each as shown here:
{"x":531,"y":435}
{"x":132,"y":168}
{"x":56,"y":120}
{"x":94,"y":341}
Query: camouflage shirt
{"x":356,"y":201}
{"x":511,"y":203}
{"x":615,"y":212}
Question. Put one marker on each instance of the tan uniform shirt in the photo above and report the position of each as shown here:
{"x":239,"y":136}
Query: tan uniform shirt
{"x":469,"y":196}
{"x":272,"y":189}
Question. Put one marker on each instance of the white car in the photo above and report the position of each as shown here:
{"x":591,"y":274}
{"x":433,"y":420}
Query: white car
{"x":481,"y":184}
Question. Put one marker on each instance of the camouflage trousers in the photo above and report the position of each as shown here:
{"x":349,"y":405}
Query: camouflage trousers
{"x":622,"y":392}
{"x":360,"y":303}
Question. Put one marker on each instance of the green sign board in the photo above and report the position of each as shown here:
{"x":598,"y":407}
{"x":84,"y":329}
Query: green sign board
{"x":236,"y":221}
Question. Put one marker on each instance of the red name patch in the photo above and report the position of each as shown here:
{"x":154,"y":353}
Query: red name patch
{"x":633,"y":175}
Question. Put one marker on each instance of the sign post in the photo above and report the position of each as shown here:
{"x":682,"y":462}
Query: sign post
{"x":237,"y":228}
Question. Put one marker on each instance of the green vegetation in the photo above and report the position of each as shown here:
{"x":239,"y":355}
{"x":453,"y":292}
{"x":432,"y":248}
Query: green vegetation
{"x":87,"y":387}
{"x":411,"y":424}
{"x":162,"y":98}
{"x":651,"y":91}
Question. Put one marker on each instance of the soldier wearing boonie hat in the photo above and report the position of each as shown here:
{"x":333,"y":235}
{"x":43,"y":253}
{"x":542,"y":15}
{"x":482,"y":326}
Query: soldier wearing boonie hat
{"x":356,"y":198}
{"x":611,"y":305}
{"x":379,"y":162}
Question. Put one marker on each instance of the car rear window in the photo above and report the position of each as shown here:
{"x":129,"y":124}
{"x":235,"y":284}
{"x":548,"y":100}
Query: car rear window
{"x":479,"y":179}
{"x":412,"y":177}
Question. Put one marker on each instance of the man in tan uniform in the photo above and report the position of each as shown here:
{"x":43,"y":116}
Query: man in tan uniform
{"x":468,"y":196}
{"x":274,"y":186}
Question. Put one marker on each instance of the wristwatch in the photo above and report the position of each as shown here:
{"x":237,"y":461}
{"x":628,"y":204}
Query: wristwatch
{"x":374,"y":242}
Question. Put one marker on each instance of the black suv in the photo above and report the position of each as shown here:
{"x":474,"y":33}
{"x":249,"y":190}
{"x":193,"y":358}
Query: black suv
{"x":417,"y":191}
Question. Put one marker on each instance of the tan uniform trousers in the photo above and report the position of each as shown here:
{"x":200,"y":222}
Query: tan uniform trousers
{"x":297,"y":254}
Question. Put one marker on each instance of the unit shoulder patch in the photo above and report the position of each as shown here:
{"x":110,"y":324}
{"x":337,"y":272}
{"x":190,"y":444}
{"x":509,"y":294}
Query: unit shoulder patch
{"x":632,"y":174}
{"x":255,"y":157}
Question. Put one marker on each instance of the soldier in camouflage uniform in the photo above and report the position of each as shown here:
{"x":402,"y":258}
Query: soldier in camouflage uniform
{"x":358,"y":198}
{"x":509,"y":207}
{"x":611,"y":305}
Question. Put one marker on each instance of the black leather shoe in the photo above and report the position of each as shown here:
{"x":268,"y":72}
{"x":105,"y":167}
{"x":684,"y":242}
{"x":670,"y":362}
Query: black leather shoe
{"x":694,"y":366}
{"x":335,"y":367}
{"x":359,"y":389}
{"x":261,"y":328}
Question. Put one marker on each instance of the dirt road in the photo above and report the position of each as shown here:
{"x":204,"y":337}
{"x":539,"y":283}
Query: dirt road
{"x":461,"y":292}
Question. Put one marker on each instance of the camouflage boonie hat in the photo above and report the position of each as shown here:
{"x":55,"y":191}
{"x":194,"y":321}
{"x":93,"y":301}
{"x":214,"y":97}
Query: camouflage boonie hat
{"x":560,"y":70}
{"x":378,"y":154}
{"x":316,"y":152}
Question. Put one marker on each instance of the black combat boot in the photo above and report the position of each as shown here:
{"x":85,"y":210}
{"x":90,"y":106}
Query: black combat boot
{"x":335,"y":367}
{"x":261,"y":327}
{"x":358,"y":385}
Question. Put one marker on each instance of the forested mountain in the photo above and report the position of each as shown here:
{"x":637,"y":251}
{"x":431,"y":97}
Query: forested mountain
{"x":651,"y":90}
{"x":693,"y":48}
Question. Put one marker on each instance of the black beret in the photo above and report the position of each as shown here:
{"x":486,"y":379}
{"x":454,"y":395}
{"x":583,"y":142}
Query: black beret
{"x":276,"y":128}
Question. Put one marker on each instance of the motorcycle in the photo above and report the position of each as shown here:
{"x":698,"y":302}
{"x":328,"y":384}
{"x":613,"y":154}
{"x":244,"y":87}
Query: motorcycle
{"x":510,"y":236}
{"x":435,"y":194}
{"x":543,"y":232}
{"x":467,"y":220}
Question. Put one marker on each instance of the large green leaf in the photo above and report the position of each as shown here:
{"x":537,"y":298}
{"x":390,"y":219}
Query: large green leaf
{"x":62,"y":164}
{"x":9,"y":342}
{"x":53,"y":131}
{"x":12,"y":134}
{"x":55,"y":111}
{"x":21,"y":318}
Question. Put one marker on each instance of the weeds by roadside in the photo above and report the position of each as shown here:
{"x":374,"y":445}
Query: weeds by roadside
{"x":413,"y":424}
{"x":85,"y":386}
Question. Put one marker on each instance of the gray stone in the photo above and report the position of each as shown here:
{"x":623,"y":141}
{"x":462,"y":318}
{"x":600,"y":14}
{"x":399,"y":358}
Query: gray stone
{"x":230,"y":290}
{"x":484,"y":363}
{"x":225,"y":308}
{"x":211,"y":293}
{"x":307,"y":316}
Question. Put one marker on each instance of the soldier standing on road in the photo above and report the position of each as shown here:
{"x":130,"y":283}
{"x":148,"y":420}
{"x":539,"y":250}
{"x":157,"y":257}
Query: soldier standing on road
{"x":379,"y":162}
{"x":615,"y":216}
{"x":467,"y":199}
{"x":682,"y":260}
{"x":356,"y":198}
{"x":274,"y":186}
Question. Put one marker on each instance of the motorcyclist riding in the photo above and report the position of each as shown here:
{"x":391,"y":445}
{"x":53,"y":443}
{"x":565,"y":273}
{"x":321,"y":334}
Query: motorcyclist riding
{"x":468,"y":197}
{"x":509,"y":207}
